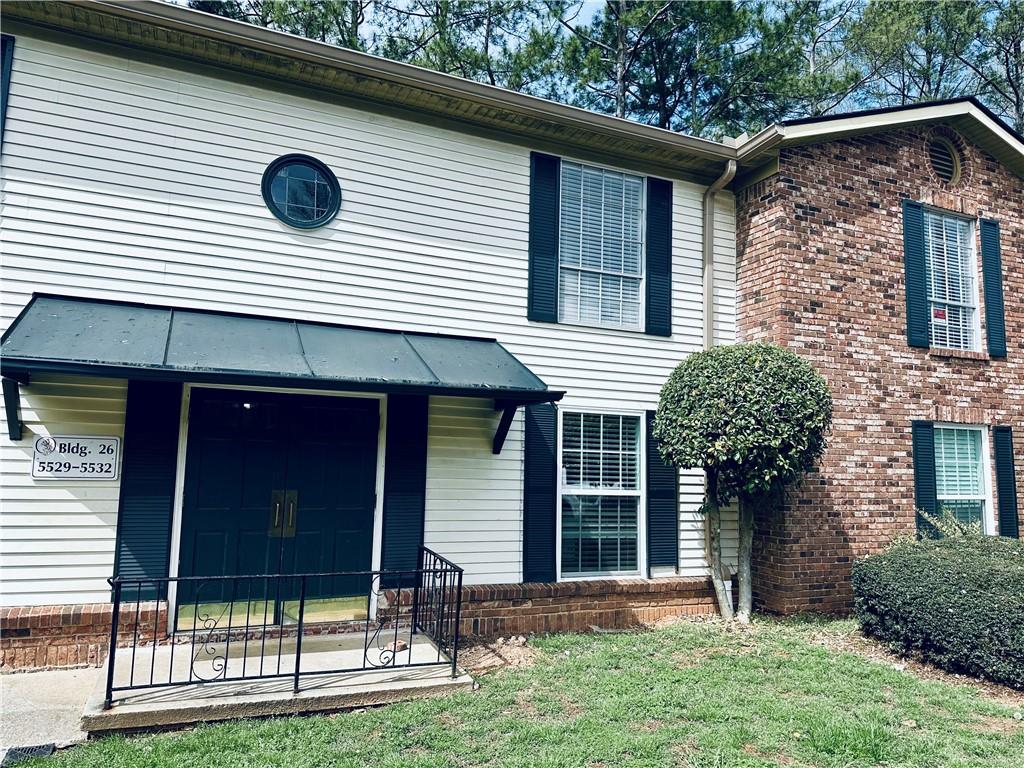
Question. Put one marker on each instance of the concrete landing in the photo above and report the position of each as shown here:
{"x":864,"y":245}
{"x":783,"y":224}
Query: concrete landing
{"x":176,"y":706}
{"x":44,"y":707}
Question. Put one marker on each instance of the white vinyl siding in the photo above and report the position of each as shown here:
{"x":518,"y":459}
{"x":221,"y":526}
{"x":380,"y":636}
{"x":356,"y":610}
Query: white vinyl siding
{"x":600,"y":247}
{"x":131,"y":181}
{"x":474,"y":498}
{"x":953,"y":318}
{"x":960,"y":476}
{"x":57,"y":536}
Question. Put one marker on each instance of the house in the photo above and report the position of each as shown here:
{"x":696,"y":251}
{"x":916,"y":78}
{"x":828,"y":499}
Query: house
{"x":274,"y":307}
{"x":887,"y":248}
{"x":317,"y":308}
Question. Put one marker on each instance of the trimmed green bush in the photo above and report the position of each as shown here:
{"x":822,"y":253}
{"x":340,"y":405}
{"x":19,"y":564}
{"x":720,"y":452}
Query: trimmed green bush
{"x":754,"y":418}
{"x":957,"y":603}
{"x":754,"y":414}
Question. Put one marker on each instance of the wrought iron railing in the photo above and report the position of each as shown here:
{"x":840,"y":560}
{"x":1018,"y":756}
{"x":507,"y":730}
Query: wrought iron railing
{"x":176,"y":631}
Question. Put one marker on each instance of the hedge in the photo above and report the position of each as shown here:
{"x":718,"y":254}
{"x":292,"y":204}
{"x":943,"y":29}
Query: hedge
{"x":957,"y":603}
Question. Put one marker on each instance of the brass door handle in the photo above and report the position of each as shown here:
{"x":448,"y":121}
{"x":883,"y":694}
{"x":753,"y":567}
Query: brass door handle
{"x":274,"y":523}
{"x":291,"y":498}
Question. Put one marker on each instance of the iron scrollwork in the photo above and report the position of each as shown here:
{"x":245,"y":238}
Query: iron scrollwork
{"x":385,"y":619}
{"x":421,"y":606}
{"x":209,"y":647}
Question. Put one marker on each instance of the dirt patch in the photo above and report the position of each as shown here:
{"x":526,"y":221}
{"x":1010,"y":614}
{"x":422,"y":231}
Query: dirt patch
{"x":857,"y":643}
{"x":487,"y":656}
{"x":683,"y":752}
{"x":570,"y":707}
{"x":1004,"y":726}
{"x":779,"y":758}
{"x":524,"y":704}
{"x":671,"y":621}
{"x":694,"y":657}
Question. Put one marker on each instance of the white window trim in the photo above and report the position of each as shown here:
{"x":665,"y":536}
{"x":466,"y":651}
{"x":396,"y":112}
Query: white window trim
{"x":642,"y":323}
{"x":560,"y":489}
{"x":988,"y":520}
{"x":972,"y":260}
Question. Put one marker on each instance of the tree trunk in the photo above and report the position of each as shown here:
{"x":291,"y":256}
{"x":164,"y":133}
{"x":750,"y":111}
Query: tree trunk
{"x":620,"y":62}
{"x":743,"y":567}
{"x":713,"y":516}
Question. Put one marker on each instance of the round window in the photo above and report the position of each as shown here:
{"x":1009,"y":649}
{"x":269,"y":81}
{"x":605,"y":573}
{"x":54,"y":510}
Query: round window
{"x":945,"y":160}
{"x":301,"y":191}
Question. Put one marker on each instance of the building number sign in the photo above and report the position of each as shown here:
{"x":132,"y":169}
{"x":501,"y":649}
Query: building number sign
{"x":59,"y":457}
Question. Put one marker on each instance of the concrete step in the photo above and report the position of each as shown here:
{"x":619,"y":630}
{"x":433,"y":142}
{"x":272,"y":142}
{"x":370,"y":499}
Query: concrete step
{"x":179,"y":706}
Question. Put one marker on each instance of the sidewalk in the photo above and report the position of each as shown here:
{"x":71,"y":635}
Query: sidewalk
{"x":44,"y":707}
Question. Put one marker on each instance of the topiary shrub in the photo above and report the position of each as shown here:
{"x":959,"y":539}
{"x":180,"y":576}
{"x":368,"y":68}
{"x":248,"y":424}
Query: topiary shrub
{"x":957,"y":603}
{"x":754,"y":417}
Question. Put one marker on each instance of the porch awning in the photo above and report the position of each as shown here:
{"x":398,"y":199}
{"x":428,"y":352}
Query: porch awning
{"x":59,"y":334}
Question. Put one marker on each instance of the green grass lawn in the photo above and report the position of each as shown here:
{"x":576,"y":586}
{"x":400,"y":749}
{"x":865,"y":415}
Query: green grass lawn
{"x":693,"y":694}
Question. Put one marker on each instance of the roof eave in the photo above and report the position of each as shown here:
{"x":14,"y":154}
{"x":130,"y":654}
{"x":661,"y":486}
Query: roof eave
{"x":1006,"y":145}
{"x":455,"y":96}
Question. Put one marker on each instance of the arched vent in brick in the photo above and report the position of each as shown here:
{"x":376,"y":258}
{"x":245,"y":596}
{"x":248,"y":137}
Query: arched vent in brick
{"x":945,"y":160}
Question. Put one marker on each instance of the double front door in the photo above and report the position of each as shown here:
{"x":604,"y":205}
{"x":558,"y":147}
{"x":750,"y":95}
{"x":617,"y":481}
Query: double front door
{"x":277,"y":484}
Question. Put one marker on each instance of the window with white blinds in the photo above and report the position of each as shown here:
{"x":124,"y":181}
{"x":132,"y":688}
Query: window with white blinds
{"x":960,"y":482}
{"x":600,"y":247}
{"x":600,"y":494}
{"x":952,"y":285}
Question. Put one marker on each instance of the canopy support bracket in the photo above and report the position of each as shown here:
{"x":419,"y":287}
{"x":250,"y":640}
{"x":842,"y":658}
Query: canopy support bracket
{"x":12,"y":407}
{"x":508,"y":413}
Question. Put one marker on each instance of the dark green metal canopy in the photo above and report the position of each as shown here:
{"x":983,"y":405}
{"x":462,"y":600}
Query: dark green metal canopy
{"x":59,"y":334}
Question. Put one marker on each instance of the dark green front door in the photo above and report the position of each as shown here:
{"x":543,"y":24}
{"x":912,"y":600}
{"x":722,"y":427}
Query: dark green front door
{"x":278,"y":484}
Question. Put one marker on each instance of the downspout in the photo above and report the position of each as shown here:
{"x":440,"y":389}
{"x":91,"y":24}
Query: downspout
{"x":709,"y":251}
{"x":713,"y":527}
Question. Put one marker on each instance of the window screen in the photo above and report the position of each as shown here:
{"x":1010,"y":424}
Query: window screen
{"x":952,"y":291}
{"x":600,"y":246}
{"x":959,"y":473}
{"x":600,"y":494}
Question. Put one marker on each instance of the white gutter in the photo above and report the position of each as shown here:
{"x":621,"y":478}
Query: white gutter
{"x":708,"y":244}
{"x":764,"y":140}
{"x":161,"y":14}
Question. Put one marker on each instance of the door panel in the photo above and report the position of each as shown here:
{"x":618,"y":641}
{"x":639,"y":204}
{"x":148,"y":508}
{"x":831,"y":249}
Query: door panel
{"x":332,"y":460}
{"x":313,"y":455}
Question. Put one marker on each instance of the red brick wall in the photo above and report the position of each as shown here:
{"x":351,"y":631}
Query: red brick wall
{"x":821,"y":272}
{"x":54,"y":636}
{"x":575,"y":606}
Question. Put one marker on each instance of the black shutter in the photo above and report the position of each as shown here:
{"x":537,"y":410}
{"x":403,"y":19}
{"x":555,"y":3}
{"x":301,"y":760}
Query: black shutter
{"x":405,"y":483}
{"x":149,"y":463}
{"x":662,"y":505}
{"x":659,"y":258}
{"x":539,"y":502}
{"x":1006,"y":482}
{"x":992,"y":278}
{"x":923,"y":436}
{"x":542,"y":301}
{"x":6,"y":64}
{"x":914,"y":264}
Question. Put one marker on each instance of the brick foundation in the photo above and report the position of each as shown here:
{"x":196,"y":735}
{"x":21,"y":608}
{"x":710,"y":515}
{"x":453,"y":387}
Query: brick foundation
{"x":61,"y":636}
{"x":576,"y":606}
{"x":821,"y":271}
